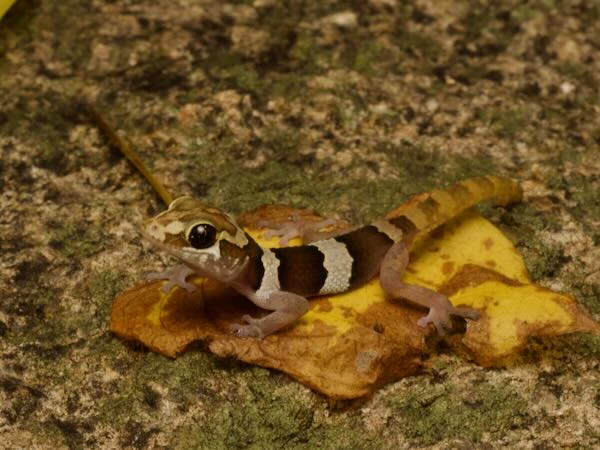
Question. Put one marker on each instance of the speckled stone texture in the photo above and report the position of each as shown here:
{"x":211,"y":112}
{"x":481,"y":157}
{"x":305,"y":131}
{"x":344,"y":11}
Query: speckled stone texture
{"x":347,"y":108}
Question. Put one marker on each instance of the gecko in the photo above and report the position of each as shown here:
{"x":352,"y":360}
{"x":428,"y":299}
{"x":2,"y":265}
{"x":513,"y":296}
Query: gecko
{"x":210,"y":243}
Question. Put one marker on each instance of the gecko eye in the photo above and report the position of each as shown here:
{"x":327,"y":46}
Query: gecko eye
{"x":202,"y":236}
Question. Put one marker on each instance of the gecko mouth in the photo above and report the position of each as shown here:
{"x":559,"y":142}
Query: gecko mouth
{"x":179,"y":253}
{"x":204,"y":264}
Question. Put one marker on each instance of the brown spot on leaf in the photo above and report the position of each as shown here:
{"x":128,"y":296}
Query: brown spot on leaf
{"x":447,"y":267}
{"x":472,"y":275}
{"x":347,"y":312}
{"x":321,"y":304}
{"x":488,"y":243}
{"x":379,"y":328}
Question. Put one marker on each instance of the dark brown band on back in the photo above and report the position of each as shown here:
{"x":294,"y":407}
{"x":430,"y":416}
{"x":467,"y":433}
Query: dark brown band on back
{"x":405,"y":224}
{"x":430,"y":207}
{"x":485,"y":183}
{"x":460,"y":193}
{"x":367,"y":247}
{"x":255,"y":271}
{"x":301,"y":269}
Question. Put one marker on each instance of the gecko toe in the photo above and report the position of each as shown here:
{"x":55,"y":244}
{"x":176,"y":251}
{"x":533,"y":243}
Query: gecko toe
{"x":251,"y":330}
{"x":175,"y":276}
{"x":440,"y":318}
{"x":442,"y":321}
{"x":467,"y":313}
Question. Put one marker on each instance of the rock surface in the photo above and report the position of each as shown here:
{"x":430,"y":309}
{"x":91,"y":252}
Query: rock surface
{"x":345,"y":108}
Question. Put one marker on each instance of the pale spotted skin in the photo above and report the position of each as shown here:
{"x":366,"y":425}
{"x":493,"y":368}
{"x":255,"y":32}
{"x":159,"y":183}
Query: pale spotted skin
{"x":210,"y":243}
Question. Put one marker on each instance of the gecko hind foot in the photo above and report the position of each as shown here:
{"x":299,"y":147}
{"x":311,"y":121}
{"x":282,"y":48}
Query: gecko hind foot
{"x":251,"y":329}
{"x":441,"y":318}
{"x":297,"y":227}
{"x":175,"y":276}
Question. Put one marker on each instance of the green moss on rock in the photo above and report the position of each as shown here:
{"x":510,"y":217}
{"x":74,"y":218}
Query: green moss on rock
{"x":488,"y":408}
{"x":76,"y":240}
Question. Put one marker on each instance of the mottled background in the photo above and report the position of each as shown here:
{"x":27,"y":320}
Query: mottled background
{"x":346,"y":107}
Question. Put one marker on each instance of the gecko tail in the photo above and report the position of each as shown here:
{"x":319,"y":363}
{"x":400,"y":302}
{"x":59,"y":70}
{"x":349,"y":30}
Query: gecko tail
{"x":444,"y":204}
{"x":508,"y":191}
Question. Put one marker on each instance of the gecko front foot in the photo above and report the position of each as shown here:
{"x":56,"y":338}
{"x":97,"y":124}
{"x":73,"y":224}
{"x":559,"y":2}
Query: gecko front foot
{"x":440,"y":317}
{"x":252,"y":329}
{"x":175,"y":276}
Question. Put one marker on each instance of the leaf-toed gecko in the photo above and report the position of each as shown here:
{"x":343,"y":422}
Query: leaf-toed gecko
{"x":210,"y":243}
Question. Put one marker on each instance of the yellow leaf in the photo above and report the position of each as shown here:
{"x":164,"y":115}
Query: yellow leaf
{"x":5,"y":6}
{"x":473,"y":263}
{"x":470,"y":241}
{"x":349,"y":344}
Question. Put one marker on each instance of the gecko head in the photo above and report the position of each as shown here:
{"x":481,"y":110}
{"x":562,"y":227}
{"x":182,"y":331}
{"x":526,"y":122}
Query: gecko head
{"x":203,"y":237}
